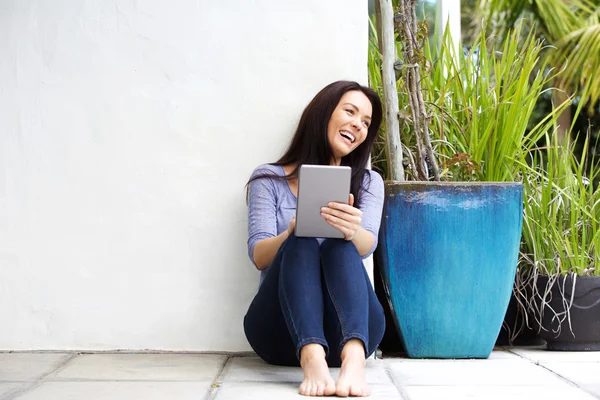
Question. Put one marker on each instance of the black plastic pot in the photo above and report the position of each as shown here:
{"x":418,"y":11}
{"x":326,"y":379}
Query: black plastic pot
{"x":515,"y":321}
{"x":584,"y":314}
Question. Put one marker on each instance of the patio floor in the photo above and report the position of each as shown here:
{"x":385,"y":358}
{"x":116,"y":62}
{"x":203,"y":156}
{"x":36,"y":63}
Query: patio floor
{"x":516,"y":373}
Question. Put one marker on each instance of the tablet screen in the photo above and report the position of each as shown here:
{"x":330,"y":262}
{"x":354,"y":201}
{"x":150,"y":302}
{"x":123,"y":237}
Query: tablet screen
{"x":317,"y":186}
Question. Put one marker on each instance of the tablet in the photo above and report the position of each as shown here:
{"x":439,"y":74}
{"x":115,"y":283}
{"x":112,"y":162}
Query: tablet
{"x":317,"y":186}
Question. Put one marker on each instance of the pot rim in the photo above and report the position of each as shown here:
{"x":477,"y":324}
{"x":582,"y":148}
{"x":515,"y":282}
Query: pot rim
{"x":449,"y":183}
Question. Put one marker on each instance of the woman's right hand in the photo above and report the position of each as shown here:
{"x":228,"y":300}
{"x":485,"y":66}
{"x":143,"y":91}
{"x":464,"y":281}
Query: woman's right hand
{"x":291,"y":226}
{"x":266,"y":249}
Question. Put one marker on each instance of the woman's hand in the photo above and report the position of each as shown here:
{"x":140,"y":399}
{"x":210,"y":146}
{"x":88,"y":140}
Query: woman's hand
{"x":344,"y":217}
{"x":291,"y":226}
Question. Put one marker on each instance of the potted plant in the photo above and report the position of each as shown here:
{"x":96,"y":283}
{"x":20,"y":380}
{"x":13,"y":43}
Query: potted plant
{"x":452,"y":220}
{"x":559,"y":266}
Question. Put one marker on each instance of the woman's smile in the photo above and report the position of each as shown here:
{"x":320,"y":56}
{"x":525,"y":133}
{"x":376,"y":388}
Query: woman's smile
{"x":349,"y":123}
{"x":348,"y":136}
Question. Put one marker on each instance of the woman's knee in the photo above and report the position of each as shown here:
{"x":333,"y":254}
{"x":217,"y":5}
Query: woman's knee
{"x":294,"y":242}
{"x":299,"y":252}
{"x":339,"y":249}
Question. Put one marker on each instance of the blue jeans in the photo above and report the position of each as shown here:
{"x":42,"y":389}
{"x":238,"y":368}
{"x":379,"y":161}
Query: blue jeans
{"x":313,"y":294}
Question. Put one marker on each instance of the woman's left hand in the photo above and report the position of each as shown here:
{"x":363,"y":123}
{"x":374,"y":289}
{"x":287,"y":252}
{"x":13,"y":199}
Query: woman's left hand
{"x":344,"y":217}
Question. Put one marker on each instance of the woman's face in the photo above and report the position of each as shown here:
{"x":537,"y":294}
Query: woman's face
{"x":349,"y":124}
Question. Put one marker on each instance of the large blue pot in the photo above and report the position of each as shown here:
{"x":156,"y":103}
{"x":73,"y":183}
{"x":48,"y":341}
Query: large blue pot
{"x":448,"y":257}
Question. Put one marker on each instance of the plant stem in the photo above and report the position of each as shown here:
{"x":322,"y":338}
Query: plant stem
{"x":408,"y":24}
{"x":388,"y":78}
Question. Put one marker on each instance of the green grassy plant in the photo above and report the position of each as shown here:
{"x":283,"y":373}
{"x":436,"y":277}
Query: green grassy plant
{"x":562,"y":214}
{"x":485,"y":98}
{"x":561,"y":228}
{"x":479,"y":102}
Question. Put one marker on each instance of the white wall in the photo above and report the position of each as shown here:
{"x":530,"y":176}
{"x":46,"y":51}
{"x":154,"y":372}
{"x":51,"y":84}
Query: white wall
{"x":127,"y":132}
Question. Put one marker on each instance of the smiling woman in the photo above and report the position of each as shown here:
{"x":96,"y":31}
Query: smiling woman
{"x":315,"y":306}
{"x":349,"y":124}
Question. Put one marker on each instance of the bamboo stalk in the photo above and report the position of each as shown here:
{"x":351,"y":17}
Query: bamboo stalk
{"x":421,"y":104}
{"x":408,"y":24}
{"x":388,"y":78}
{"x":378,"y":24}
{"x":404,"y":25}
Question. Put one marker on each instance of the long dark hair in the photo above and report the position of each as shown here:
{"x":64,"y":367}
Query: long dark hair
{"x":310,"y":144}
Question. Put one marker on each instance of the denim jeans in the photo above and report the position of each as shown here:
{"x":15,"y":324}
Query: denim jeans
{"x":313,"y":294}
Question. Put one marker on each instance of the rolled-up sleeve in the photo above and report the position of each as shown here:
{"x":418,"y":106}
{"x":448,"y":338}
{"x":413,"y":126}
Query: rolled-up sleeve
{"x":262,"y":210}
{"x":371,"y":204}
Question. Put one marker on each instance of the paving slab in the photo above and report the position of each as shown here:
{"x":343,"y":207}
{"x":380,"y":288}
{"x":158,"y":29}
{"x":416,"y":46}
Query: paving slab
{"x":593,"y":389}
{"x":540,"y":354}
{"x":27,"y":367}
{"x":145,"y":367}
{"x":117,"y":391}
{"x":253,"y":369}
{"x":496,"y":393}
{"x":284,"y":391}
{"x":581,"y":373}
{"x":496,"y":355}
{"x":8,"y":387}
{"x":502,"y":355}
{"x":471,"y":373}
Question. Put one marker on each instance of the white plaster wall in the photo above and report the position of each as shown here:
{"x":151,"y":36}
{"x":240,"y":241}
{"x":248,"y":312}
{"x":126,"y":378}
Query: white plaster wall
{"x":128,"y":129}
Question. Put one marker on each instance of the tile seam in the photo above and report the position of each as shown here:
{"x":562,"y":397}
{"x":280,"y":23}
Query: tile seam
{"x":34,"y":384}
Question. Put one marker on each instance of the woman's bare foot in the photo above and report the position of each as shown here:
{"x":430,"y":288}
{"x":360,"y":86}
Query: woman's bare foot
{"x":317,"y":379}
{"x":352,"y":374}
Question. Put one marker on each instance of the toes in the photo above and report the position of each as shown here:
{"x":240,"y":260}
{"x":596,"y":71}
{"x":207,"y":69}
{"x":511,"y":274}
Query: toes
{"x":359,"y":391}
{"x":342,"y":390}
{"x":355,"y":391}
{"x":320,"y":389}
{"x":330,"y":389}
{"x":302,"y":388}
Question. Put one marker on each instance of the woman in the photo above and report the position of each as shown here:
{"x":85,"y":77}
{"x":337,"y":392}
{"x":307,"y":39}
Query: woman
{"x":315,"y":306}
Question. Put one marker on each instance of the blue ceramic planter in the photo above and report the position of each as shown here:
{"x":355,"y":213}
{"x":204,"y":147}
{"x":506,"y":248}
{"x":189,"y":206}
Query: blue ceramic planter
{"x":448,"y":257}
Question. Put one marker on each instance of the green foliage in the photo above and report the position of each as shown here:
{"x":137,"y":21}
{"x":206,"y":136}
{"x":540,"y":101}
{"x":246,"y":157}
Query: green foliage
{"x":579,"y":50}
{"x":481,"y":111}
{"x":573,"y":27}
{"x":561,"y":228}
{"x":479,"y":103}
{"x":485,"y":101}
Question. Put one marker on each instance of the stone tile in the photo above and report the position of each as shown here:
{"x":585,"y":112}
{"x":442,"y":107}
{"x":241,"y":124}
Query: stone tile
{"x":502,"y":355}
{"x":384,"y":392}
{"x":593,"y":389}
{"x":374,"y":374}
{"x":582,"y":373}
{"x":23,"y":367}
{"x":7,"y":387}
{"x":117,"y":391}
{"x":253,"y":369}
{"x":497,"y":354}
{"x":471,"y":373}
{"x":258,"y":391}
{"x":495,"y":392}
{"x":283,"y":391}
{"x":145,"y":367}
{"x":543,"y":355}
